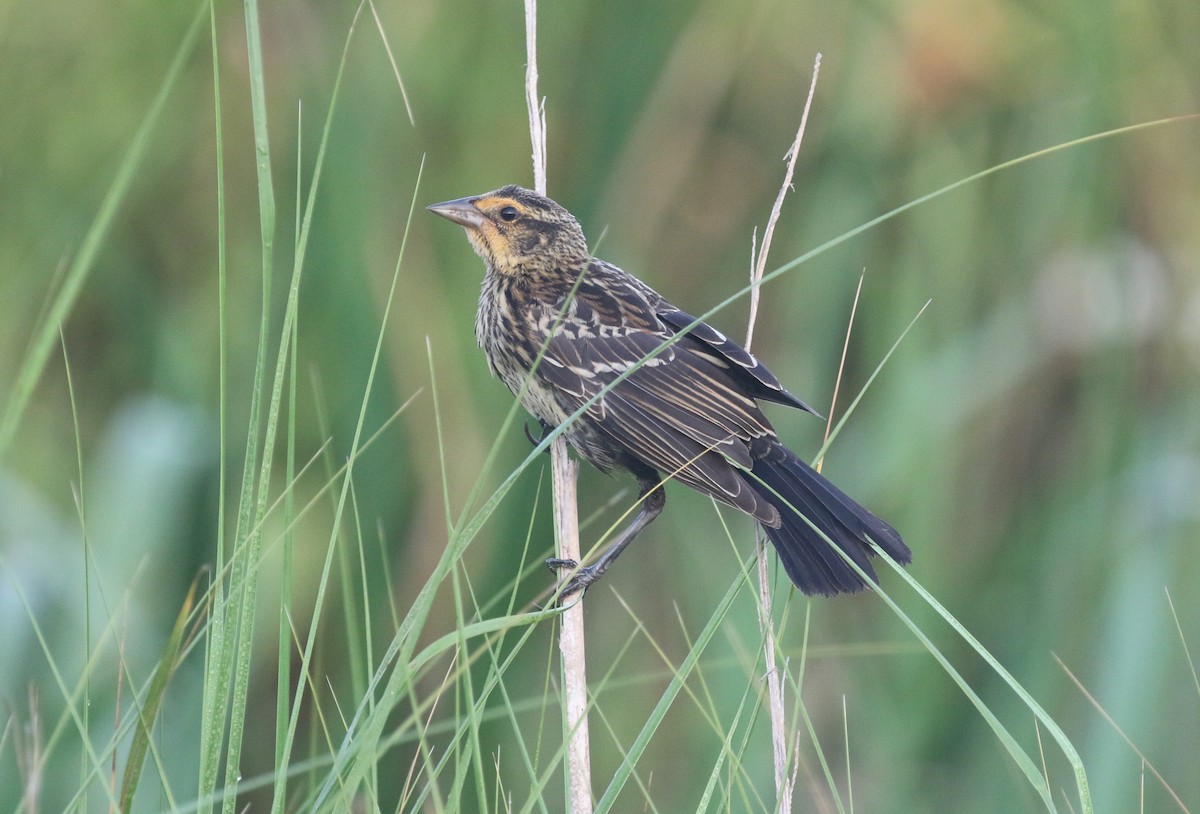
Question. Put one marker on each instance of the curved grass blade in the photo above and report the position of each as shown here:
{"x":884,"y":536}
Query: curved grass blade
{"x":154,"y":697}
{"x":44,"y":335}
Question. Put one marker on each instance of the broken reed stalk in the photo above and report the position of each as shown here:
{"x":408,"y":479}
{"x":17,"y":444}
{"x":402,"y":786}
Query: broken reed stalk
{"x":784,"y":785}
{"x":566,"y":516}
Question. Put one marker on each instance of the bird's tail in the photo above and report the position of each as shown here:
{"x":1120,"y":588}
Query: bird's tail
{"x":804,"y":497}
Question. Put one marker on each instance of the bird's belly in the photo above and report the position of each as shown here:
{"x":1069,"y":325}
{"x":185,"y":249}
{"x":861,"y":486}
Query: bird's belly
{"x":541,"y":401}
{"x":535,"y":396}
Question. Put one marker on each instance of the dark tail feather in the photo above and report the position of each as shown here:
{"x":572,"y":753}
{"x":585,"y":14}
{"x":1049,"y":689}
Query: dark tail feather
{"x":783,"y":479}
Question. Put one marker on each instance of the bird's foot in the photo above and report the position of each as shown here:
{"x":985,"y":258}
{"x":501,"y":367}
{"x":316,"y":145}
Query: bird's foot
{"x":577,"y":583}
{"x":546,"y":430}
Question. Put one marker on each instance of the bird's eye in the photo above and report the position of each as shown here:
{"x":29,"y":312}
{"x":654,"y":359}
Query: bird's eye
{"x":508,"y":214}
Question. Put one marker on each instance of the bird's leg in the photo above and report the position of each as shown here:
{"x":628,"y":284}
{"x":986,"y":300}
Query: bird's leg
{"x":546,"y":430}
{"x":653,"y":499}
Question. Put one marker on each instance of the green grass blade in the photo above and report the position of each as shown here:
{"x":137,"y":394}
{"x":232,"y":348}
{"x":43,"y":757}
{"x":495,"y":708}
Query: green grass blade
{"x":714,"y":776}
{"x":283,"y":661}
{"x":237,"y":632}
{"x":72,"y":707}
{"x":212,"y":714}
{"x":919,"y":201}
{"x":1187,"y":654}
{"x":656,"y":716}
{"x":1024,"y":762}
{"x":153,"y":703}
{"x":1064,"y":743}
{"x":357,"y":440}
{"x":44,"y":335}
{"x":87,"y":556}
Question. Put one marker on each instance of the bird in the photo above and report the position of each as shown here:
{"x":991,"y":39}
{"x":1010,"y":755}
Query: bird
{"x":659,"y":393}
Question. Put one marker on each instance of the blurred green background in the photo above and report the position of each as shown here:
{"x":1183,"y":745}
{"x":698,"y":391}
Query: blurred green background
{"x":1036,"y":437}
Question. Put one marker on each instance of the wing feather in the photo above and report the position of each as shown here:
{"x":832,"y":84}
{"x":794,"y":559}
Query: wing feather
{"x":676,"y":412}
{"x":761,"y":381}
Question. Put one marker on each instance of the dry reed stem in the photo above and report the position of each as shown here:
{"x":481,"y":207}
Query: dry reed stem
{"x":783,"y":785}
{"x":1146,"y":764}
{"x":566,"y":516}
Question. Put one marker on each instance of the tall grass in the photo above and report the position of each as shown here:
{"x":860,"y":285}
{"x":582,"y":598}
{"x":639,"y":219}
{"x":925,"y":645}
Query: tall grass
{"x":363,"y":633}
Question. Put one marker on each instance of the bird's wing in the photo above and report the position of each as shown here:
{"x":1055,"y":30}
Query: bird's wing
{"x":679,"y":411}
{"x":744,"y":366}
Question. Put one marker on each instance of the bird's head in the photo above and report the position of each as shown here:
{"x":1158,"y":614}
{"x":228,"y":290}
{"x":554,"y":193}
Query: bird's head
{"x":518,"y":231}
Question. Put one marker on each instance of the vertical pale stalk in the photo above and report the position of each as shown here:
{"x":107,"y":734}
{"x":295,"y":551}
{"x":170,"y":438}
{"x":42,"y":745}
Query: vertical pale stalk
{"x":566,"y":516}
{"x":571,"y":636}
{"x":783,"y":785}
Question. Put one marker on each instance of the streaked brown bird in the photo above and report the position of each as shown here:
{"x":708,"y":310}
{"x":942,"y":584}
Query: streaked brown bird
{"x":561,"y":328}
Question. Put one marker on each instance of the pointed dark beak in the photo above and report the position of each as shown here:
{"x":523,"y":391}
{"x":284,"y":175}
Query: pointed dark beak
{"x":462,"y":211}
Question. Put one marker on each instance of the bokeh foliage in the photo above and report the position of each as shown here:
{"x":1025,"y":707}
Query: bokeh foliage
{"x":1036,"y":438}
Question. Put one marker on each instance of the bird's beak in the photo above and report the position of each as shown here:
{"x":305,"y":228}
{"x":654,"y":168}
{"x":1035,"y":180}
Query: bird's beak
{"x":462,"y":211}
